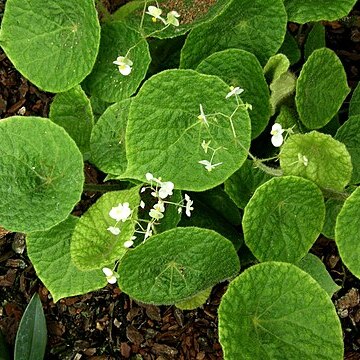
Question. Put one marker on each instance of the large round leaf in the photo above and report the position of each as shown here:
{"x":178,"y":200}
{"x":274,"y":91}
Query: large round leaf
{"x":105,"y":81}
{"x":240,"y":26}
{"x":317,"y":99}
{"x":72,"y":110}
{"x":349,"y":134}
{"x":354,"y":107}
{"x":283,"y":219}
{"x":55,"y":44}
{"x":241,"y":68}
{"x":277,"y":311}
{"x":314,"y":10}
{"x":107,"y":142}
{"x":92,"y":244}
{"x":166,"y":137}
{"x":347,"y":235}
{"x":177,"y":264}
{"x":317,"y":157}
{"x":49,"y":252}
{"x":41,"y":174}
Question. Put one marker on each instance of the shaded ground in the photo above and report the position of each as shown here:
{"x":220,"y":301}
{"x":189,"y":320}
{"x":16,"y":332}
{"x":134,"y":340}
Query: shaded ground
{"x":108,"y":325}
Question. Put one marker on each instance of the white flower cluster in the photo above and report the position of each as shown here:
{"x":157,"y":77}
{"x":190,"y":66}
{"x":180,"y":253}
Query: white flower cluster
{"x":123,"y":62}
{"x":171,"y":17}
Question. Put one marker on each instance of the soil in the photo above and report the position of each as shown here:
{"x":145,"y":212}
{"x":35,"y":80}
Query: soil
{"x":107,"y":324}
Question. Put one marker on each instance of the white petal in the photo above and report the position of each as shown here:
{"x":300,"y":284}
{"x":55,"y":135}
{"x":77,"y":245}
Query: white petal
{"x":149,"y":176}
{"x":114,"y":230}
{"x":142,"y":204}
{"x":276,"y":129}
{"x":111,"y":279}
{"x":128,"y":243}
{"x":125,"y":69}
{"x":107,"y":271}
{"x":277,"y":140}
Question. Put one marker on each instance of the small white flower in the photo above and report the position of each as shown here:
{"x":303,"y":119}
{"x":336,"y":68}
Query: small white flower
{"x":149,"y":176}
{"x":166,"y":189}
{"x":202,"y":116}
{"x":142,"y":204}
{"x":276,"y":131}
{"x":208,"y":165}
{"x":114,"y":230}
{"x":188,"y":205}
{"x":303,"y":159}
{"x":179,"y":210}
{"x":111,"y":276}
{"x":155,"y":12}
{"x":234,"y":91}
{"x":120,"y":212}
{"x":143,"y":189}
{"x":124,"y":64}
{"x":130,"y":242}
{"x":148,"y":232}
{"x":248,"y":106}
{"x":205,"y":145}
{"x":171,"y":18}
{"x":159,"y":206}
{"x":155,"y":214}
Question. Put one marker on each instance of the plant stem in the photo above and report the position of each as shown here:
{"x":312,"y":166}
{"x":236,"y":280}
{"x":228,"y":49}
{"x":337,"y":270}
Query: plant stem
{"x":334,"y":194}
{"x":267,"y":169}
{"x":105,"y":15}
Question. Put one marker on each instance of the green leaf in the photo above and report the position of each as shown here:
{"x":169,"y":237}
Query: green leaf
{"x":241,"y":185}
{"x":314,"y":10}
{"x":195,"y":301}
{"x":333,"y":207}
{"x":164,"y":133}
{"x":316,"y":268}
{"x":4,"y":352}
{"x":98,"y":107}
{"x":281,"y":89}
{"x":72,"y":111}
{"x":239,"y":26}
{"x":241,"y":68}
{"x":92,"y":245}
{"x":49,"y":252}
{"x":271,"y":311}
{"x":315,"y":86}
{"x":192,"y":14}
{"x":283,"y":219}
{"x":218,"y":200}
{"x":290,"y":48}
{"x":107,"y":142}
{"x":177,"y":264}
{"x":328,"y":162}
{"x":53,"y":46}
{"x":354,"y":107}
{"x":349,"y":134}
{"x":315,"y":39}
{"x":204,"y":216}
{"x":276,"y":66}
{"x":288,"y":118}
{"x":31,"y":337}
{"x":105,"y":81}
{"x":41,"y":176}
{"x":347,"y":235}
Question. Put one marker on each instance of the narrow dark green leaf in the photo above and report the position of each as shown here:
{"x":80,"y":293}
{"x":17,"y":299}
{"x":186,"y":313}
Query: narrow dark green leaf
{"x":31,"y":337}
